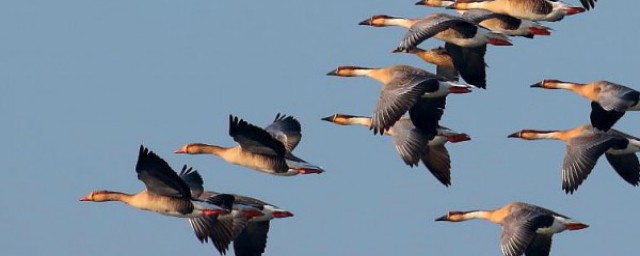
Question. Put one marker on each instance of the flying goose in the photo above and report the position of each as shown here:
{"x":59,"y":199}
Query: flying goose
{"x":526,"y":229}
{"x":406,"y":88}
{"x":609,"y":101}
{"x":413,"y":145}
{"x":585,"y":144}
{"x":167,"y":193}
{"x":267,"y":150}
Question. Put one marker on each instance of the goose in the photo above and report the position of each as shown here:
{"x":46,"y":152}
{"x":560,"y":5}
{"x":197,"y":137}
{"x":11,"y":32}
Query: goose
{"x":588,"y":4}
{"x":406,"y":88}
{"x":469,"y":61}
{"x":247,"y":225}
{"x":413,"y":145}
{"x":506,"y":24}
{"x":167,"y":193}
{"x":609,"y":101}
{"x":451,"y":29}
{"x":266,"y":150}
{"x":527,"y":229}
{"x":585,"y":144}
{"x":534,"y":10}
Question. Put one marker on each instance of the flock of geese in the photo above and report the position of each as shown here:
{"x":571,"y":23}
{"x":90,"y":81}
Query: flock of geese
{"x":418,"y":137}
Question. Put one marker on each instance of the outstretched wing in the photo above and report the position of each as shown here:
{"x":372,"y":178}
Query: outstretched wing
{"x":581,"y":156}
{"x":287,"y":130}
{"x":426,"y":114}
{"x":603,"y":119}
{"x":432,"y":25}
{"x":193,"y":179}
{"x":210,"y":228}
{"x":395,"y":100}
{"x":253,"y":239}
{"x":253,"y":138}
{"x":438,"y":163}
{"x":410,"y":142}
{"x":158,"y":176}
{"x":520,"y":231}
{"x":588,"y":4}
{"x":469,"y":61}
{"x":627,"y":166}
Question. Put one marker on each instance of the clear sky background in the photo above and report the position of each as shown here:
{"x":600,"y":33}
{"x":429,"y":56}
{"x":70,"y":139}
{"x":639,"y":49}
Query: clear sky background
{"x":84,"y":83}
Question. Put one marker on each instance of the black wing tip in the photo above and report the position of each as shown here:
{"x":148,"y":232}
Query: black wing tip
{"x":569,"y":190}
{"x":378,"y":130}
{"x":185,"y":170}
{"x":443,"y":179}
{"x":285,"y":118}
{"x":235,"y":123}
{"x":188,"y":170}
{"x":145,"y":155}
{"x":280,"y":117}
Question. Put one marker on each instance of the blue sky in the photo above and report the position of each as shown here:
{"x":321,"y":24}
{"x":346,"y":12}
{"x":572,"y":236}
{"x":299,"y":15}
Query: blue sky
{"x":84,"y":83}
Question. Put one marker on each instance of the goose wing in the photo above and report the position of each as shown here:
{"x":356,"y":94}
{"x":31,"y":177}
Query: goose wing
{"x":395,"y":99}
{"x":469,"y":62}
{"x":287,"y":130}
{"x":617,"y":97}
{"x":426,"y":114}
{"x":434,"y":24}
{"x":254,"y":139}
{"x":158,"y":176}
{"x":603,"y":119}
{"x":252,"y":241}
{"x":410,"y":142}
{"x":437,"y":161}
{"x":519,"y":231}
{"x":588,"y":4}
{"x":627,"y":166}
{"x":193,"y":179}
{"x":581,"y":156}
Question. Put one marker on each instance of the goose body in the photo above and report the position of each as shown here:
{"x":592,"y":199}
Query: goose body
{"x":609,"y":101}
{"x":444,"y":27}
{"x":526,"y":229}
{"x":535,"y":10}
{"x":413,"y":145}
{"x":267,"y":150}
{"x":506,"y":24}
{"x":585,"y":144}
